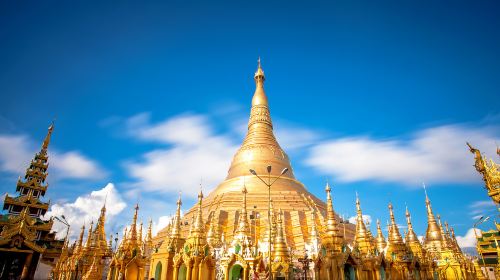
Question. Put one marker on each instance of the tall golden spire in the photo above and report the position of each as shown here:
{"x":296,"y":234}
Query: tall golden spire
{"x":149,"y":235}
{"x":199,"y":226}
{"x":79,"y":243}
{"x":133,"y":227}
{"x":280,"y":248}
{"x":260,"y":147}
{"x":362,"y":237}
{"x":411,"y":236}
{"x":445,"y":243}
{"x":99,"y":231}
{"x":242,"y":234}
{"x":433,"y":237}
{"x":333,"y":236}
{"x":394,"y":235}
{"x":88,"y":243}
{"x":140,"y":233}
{"x":381,"y":243}
{"x":175,"y":232}
{"x":396,"y":247}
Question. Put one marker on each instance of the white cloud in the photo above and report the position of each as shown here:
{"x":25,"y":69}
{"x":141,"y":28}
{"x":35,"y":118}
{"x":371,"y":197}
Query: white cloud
{"x":194,"y":153}
{"x":366,"y":218}
{"x":16,"y":151}
{"x":434,"y":155}
{"x":87,"y":208}
{"x":75,"y":165}
{"x":482,"y":207}
{"x":469,"y":239}
{"x":14,"y":154}
{"x":162,"y":222}
{"x":293,"y":137}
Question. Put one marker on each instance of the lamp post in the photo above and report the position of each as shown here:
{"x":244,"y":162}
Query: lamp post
{"x":65,"y":222}
{"x":481,"y":220}
{"x":269,"y":184}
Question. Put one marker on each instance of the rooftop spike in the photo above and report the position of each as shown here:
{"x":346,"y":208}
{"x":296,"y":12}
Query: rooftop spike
{"x":333,"y":236}
{"x":175,"y":232}
{"x":362,"y":237}
{"x":433,"y":237}
{"x":381,"y":243}
{"x":46,"y":141}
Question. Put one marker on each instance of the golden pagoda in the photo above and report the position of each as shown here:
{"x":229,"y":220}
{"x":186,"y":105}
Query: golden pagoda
{"x":25,"y":236}
{"x":290,"y":232}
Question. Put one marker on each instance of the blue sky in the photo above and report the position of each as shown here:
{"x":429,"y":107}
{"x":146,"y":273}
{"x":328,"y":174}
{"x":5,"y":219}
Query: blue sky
{"x":375,"y":97}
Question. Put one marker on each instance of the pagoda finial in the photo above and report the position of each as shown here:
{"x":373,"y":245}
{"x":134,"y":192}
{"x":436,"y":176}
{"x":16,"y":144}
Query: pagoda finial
{"x":362,"y":237}
{"x":281,"y":252}
{"x":411,"y":236}
{"x":88,"y":243}
{"x":133,"y":227}
{"x":394,"y":235}
{"x":46,"y":141}
{"x":381,"y":243}
{"x":79,"y":243}
{"x":259,"y":74}
{"x":242,"y":234}
{"x":433,"y":237}
{"x":333,"y":235}
{"x":175,"y":232}
{"x":198,"y":227}
{"x":140,"y":233}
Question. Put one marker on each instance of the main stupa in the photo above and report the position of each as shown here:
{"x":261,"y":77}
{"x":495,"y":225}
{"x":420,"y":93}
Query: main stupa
{"x":259,"y":150}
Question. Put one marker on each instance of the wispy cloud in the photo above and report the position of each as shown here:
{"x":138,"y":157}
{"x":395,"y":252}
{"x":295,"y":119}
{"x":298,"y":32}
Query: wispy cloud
{"x":86,"y":208}
{"x":436,"y":155}
{"x":16,"y":151}
{"x":193,"y":152}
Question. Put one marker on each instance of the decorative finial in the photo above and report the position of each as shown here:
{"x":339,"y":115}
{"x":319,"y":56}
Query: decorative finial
{"x":46,"y":141}
{"x":259,"y":74}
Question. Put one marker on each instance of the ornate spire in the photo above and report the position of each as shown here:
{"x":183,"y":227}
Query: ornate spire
{"x":199,"y":226}
{"x":394,"y":235}
{"x":362,"y":237}
{"x":100,"y":232}
{"x":433,"y":237}
{"x":396,"y":247}
{"x":149,"y":235}
{"x":260,"y":147}
{"x":242,"y":234}
{"x":445,"y":242}
{"x":79,"y":243}
{"x":411,"y":236}
{"x":333,"y":236}
{"x":175,"y":232}
{"x":133,"y":227}
{"x":88,"y":243}
{"x":46,"y":141}
{"x":381,"y":243}
{"x":140,"y":233}
{"x":280,"y":249}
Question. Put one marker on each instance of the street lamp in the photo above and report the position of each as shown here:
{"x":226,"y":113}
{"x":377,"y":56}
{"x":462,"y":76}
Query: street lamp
{"x":269,"y":184}
{"x":481,"y":220}
{"x":65,"y":222}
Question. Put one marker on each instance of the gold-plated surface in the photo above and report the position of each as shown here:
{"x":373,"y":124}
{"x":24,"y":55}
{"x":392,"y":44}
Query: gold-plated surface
{"x":490,"y":172}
